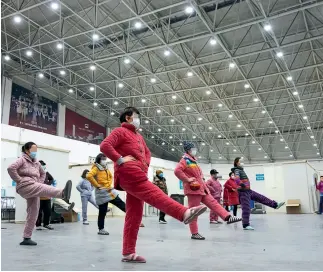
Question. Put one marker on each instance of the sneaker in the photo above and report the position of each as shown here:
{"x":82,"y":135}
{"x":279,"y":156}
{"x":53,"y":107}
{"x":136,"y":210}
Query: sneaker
{"x":317,"y":212}
{"x":142,"y":225}
{"x":71,"y":206}
{"x":39,"y":228}
{"x":133,"y":258}
{"x":253,"y":210}
{"x":193,"y":213}
{"x":103,"y":232}
{"x":197,"y":236}
{"x":214,"y":222}
{"x":28,"y":242}
{"x":67,"y":191}
{"x":248,"y":228}
{"x":279,"y":205}
{"x":85,"y":222}
{"x":233,"y":219}
{"x":162,"y":222}
{"x":48,"y":227}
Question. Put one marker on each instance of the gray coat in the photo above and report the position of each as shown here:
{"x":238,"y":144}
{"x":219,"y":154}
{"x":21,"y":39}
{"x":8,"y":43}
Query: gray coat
{"x":85,"y":187}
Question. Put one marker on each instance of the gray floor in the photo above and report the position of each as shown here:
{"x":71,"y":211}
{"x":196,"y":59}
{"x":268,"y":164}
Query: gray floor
{"x":280,"y":242}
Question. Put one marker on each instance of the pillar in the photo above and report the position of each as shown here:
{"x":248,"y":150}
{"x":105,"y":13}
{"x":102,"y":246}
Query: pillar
{"x":6,"y":88}
{"x":61,"y":120}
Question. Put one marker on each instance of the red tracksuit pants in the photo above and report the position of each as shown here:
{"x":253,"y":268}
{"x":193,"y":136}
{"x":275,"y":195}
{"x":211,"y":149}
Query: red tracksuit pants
{"x":211,"y":203}
{"x":139,"y":190}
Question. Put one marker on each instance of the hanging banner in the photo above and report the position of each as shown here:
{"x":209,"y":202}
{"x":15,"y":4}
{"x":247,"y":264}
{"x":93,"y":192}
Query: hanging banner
{"x":82,"y":129}
{"x":32,"y":111}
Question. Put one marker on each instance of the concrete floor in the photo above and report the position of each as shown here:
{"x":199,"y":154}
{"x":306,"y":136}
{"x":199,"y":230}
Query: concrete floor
{"x":280,"y":242}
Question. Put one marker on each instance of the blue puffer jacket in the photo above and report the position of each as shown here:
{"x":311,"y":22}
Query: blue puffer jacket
{"x":85,"y":187}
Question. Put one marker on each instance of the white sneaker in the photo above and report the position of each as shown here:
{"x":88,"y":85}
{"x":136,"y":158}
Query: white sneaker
{"x":103,"y":232}
{"x":214,"y":222}
{"x":248,"y":228}
{"x":39,"y":228}
{"x":86,"y":222}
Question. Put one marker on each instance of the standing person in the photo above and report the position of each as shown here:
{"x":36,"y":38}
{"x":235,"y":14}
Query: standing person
{"x":196,"y":190}
{"x":246,"y":194}
{"x":232,"y":189}
{"x":86,"y":188}
{"x":319,"y":187}
{"x":215,"y":188}
{"x":29,"y":176}
{"x":160,"y":182}
{"x":45,"y":206}
{"x":226,"y":199}
{"x":131,"y":157}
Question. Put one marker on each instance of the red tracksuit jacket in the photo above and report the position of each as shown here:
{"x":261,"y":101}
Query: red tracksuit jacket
{"x":124,"y":141}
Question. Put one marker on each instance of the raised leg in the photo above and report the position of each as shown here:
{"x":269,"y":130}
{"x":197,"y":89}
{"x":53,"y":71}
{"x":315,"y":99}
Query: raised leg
{"x":40,"y":190}
{"x":263,"y":200}
{"x":32,"y":214}
{"x":118,"y":202}
{"x":92,"y":201}
{"x":245,"y":197}
{"x":215,"y":206}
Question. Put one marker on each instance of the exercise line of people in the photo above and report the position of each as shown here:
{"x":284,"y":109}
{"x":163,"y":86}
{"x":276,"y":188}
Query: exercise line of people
{"x":127,"y":149}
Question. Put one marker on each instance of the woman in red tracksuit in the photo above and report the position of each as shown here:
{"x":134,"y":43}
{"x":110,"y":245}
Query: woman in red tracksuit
{"x":233,"y":195}
{"x":131,"y":157}
{"x":188,"y":171}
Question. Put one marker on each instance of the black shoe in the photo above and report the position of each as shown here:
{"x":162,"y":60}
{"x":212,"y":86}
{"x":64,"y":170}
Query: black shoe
{"x":48,"y":227}
{"x":71,"y":206}
{"x":28,"y":242}
{"x":197,"y":236}
{"x":162,"y":221}
{"x":233,"y":219}
{"x":67,"y":191}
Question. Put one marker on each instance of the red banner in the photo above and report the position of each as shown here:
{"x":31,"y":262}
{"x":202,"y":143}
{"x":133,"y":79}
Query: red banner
{"x":82,"y":129}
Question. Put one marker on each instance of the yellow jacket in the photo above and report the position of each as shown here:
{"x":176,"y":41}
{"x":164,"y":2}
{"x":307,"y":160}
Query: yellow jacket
{"x":100,"y":177}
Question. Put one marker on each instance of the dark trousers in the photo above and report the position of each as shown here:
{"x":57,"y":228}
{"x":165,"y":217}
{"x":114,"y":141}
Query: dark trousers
{"x":321,"y":204}
{"x":227,"y":208}
{"x":161,"y":216}
{"x":103,"y":208}
{"x":235,"y":209}
{"x":45,"y":207}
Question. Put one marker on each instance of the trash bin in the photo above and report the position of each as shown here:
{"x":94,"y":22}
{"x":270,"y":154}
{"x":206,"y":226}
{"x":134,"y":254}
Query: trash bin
{"x":178,"y":198}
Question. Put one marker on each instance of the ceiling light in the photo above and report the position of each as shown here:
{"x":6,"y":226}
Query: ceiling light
{"x":267,"y":27}
{"x":220,"y":105}
{"x":188,"y":108}
{"x":286,"y":147}
{"x":29,"y":53}
{"x":208,"y":92}
{"x":7,"y":57}
{"x":180,"y":144}
{"x":213,"y":42}
{"x":92,"y":88}
{"x":279,"y":54}
{"x":183,"y":129}
{"x":259,"y":148}
{"x":246,"y":134}
{"x":92,"y":67}
{"x":115,"y":102}
{"x":153,"y":80}
{"x":126,"y":61}
{"x":143,"y":100}
{"x":189,"y":74}
{"x":230,"y":115}
{"x":174,"y":97}
{"x":166,"y":53}
{"x":59,"y":46}
{"x":159,"y":130}
{"x":305,"y":117}
{"x":70,"y":91}
{"x":95,"y":37}
{"x":54,"y":6}
{"x":200,"y":157}
{"x":140,"y":129}
{"x":314,"y":144}
{"x":312,"y":137}
{"x":170,"y":137}
{"x":173,"y":149}
{"x":227,"y":143}
{"x":40,"y":75}
{"x":270,"y":122}
{"x":219,"y":136}
{"x":295,"y":93}
{"x":153,"y":137}
{"x":211,"y":150}
{"x":234,"y":150}
{"x":203,"y":143}
{"x":308,"y":128}
{"x":263,"y":112}
{"x":276,"y":131}
{"x":220,"y":158}
{"x":158,"y":111}
{"x":163,"y":143}
{"x":147,"y":121}
{"x":232,"y":65}
{"x":194,"y":137}
{"x":172,"y":120}
{"x":200,"y":119}
{"x":255,"y":99}
{"x":300,"y":106}
{"x":281,"y":140}
{"x":120,"y":85}
{"x":17,"y":19}
{"x":138,"y":25}
{"x":290,"y":155}
{"x":246,"y":86}
{"x":253,"y":142}
{"x":238,"y":125}
{"x":95,"y":104}
{"x":62,"y":72}
{"x":189,"y":10}
{"x":210,"y":128}
{"x":265,"y":157}
{"x":112,"y":113}
{"x":289,"y":78}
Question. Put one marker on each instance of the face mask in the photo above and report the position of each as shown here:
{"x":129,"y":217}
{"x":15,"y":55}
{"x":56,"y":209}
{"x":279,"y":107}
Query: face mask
{"x":241,"y":164}
{"x":104,"y":163}
{"x":136,"y":122}
{"x":44,"y":167}
{"x":33,"y":155}
{"x":193,"y":152}
{"x":161,"y":175}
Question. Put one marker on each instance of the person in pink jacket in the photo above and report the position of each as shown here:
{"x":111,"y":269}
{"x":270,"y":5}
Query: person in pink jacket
{"x":29,"y":177}
{"x":215,"y":188}
{"x":319,"y":187}
{"x":188,"y":171}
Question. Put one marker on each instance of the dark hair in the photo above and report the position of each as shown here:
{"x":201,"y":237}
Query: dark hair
{"x":99,"y":157}
{"x":213,"y":172}
{"x":27,"y":146}
{"x":236,"y":160}
{"x":84,"y":173}
{"x":42,"y":162}
{"x":129,"y":111}
{"x":230,"y":174}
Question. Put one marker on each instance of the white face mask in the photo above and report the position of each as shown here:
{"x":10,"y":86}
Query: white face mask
{"x":241,"y":164}
{"x":193,"y":152}
{"x":103,"y":162}
{"x":136,"y":122}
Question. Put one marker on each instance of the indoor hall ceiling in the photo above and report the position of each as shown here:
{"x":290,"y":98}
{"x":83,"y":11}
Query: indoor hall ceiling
{"x":238,"y":78}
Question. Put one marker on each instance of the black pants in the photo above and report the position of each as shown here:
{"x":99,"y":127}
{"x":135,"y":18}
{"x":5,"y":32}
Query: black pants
{"x":161,"y":216}
{"x":235,"y":209}
{"x":103,"y":208}
{"x":226,"y":208}
{"x":45,"y":207}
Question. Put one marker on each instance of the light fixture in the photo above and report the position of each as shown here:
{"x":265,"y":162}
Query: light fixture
{"x":318,"y":153}
{"x":194,"y":137}
{"x":295,"y":93}
{"x":270,"y":122}
{"x":200,"y":119}
{"x":112,"y":113}
{"x":312,"y":137}
{"x":219,"y":136}
{"x":314,"y":144}
{"x":238,"y":125}
{"x":188,"y":108}
{"x":189,"y":74}
{"x":173,"y":149}
{"x":54,"y":5}
{"x":234,"y":150}
{"x":59,"y":46}
{"x":95,"y":104}
{"x":230,"y":116}
{"x":189,"y":10}
{"x":232,"y":65}
{"x":62,"y":72}
{"x":305,"y":117}
{"x":246,"y":86}
{"x":279,"y":54}
{"x":208,"y":92}
{"x":211,"y":150}
{"x":290,"y":155}
{"x":170,"y":137}
{"x":158,"y":111}
{"x":40,"y":75}
{"x":253,"y":142}
{"x":210,"y":128}
{"x":203,"y":144}
{"x":213,"y":41}
{"x":286,"y":147}
{"x":183,"y":129}
{"x":267,"y":27}
{"x":180,"y":144}
{"x":143,"y":100}
{"x":116,"y":103}
{"x":263,"y":112}
{"x":281,"y":140}
{"x":308,"y":128}
{"x":126,"y":61}
{"x":172,"y":120}
{"x":29,"y":53}
{"x":138,"y":25}
{"x":220,"y":158}
{"x":255,"y":99}
{"x":174,"y":97}
{"x":300,"y":106}
{"x":70,"y":90}
{"x":166,"y":53}
{"x":227,"y":143}
{"x":159,"y":130}
{"x":163,"y":143}
{"x":7,"y":57}
{"x":17,"y":19}
{"x":246,"y":134}
{"x":140,"y":129}
{"x":259,"y":148}
{"x":200,"y":157}
{"x":147,"y":121}
{"x":92,"y":88}
{"x":120,"y":85}
{"x":92,"y":67}
{"x":153,"y":80}
{"x":153,"y":137}
{"x":265,"y":157}
{"x":289,"y":78}
{"x":95,"y":37}
{"x":220,"y":105}
{"x":276,"y":131}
